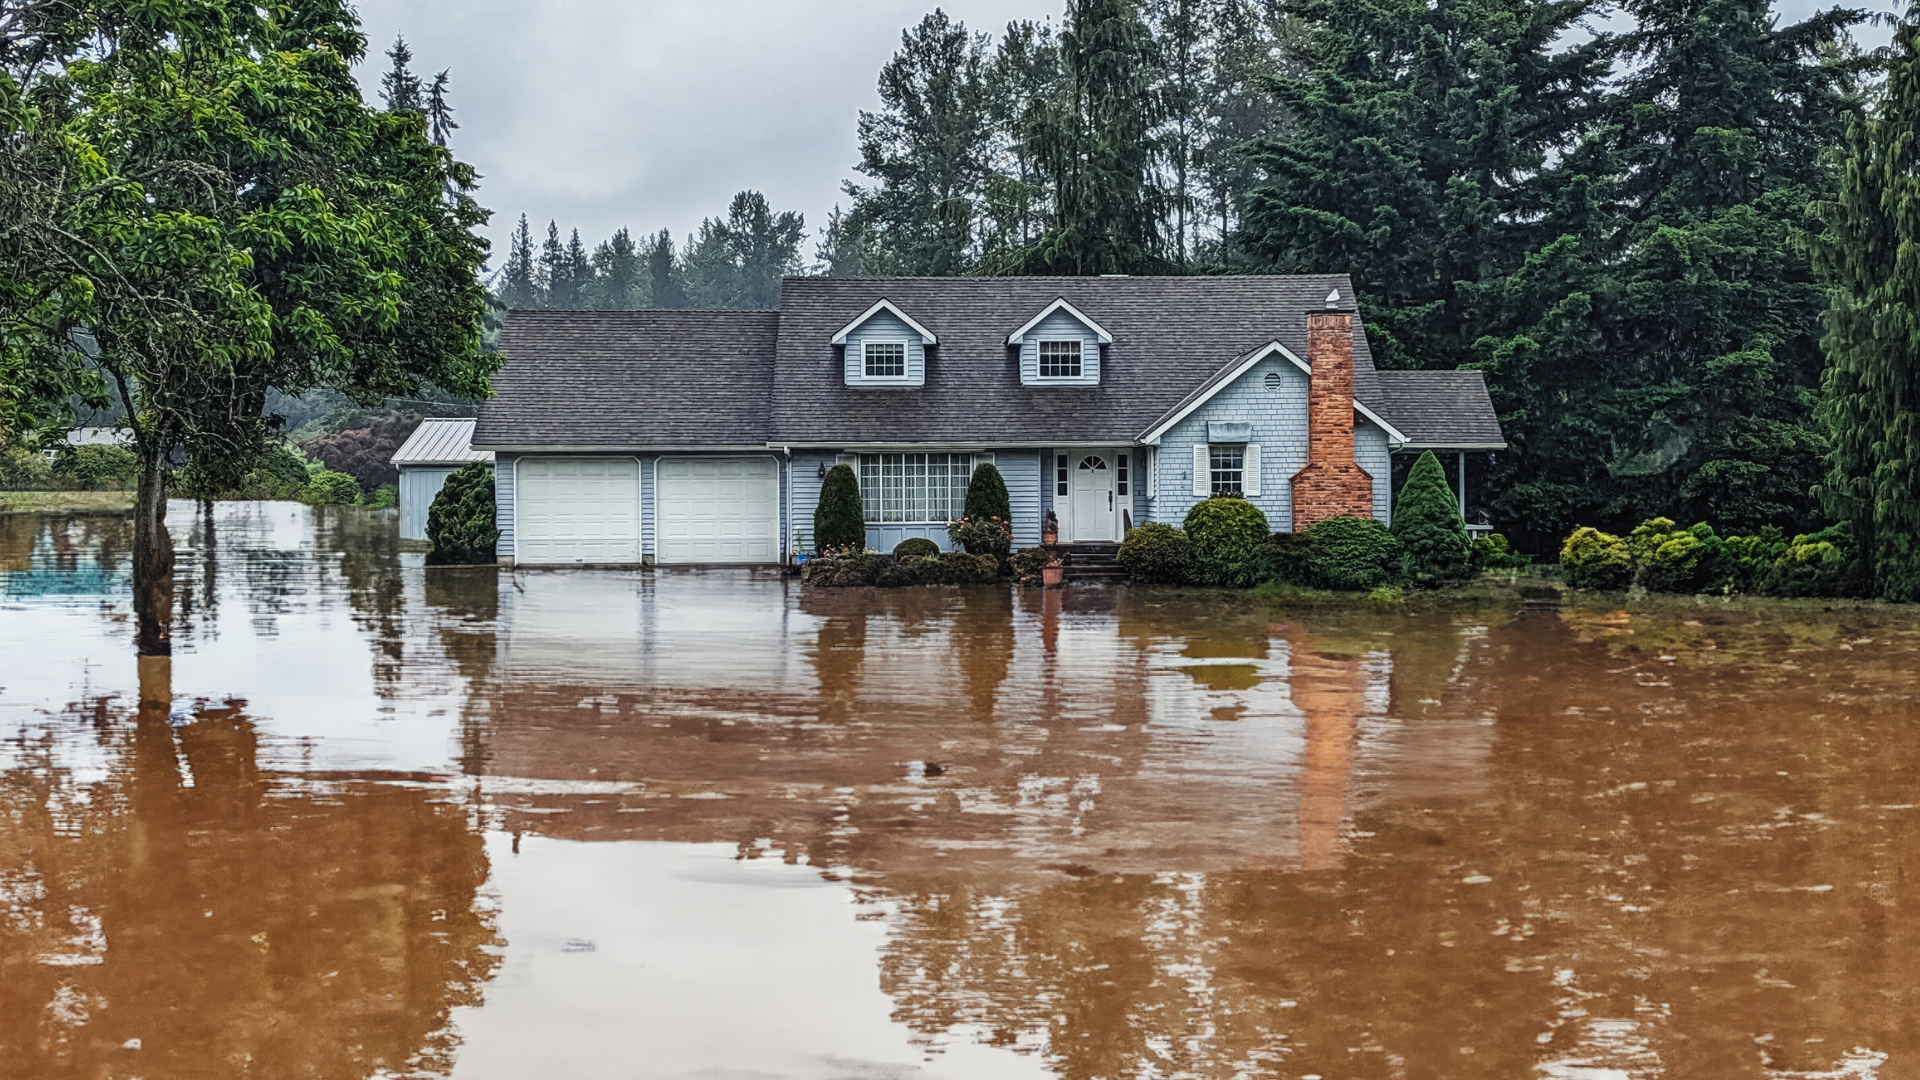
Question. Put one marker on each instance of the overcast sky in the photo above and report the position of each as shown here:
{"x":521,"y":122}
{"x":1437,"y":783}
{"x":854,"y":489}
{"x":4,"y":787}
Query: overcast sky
{"x":652,"y":113}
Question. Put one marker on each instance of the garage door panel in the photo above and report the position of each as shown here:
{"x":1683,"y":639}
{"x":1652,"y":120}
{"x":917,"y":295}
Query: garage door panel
{"x":719,"y":510}
{"x":577,"y":510}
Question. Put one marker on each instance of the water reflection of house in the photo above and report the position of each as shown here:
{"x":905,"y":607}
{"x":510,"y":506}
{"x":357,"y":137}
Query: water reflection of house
{"x":930,"y":729}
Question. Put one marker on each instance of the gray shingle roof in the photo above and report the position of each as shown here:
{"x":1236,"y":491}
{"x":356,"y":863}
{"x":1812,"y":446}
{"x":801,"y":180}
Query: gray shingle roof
{"x":1170,"y":335}
{"x":631,"y":379}
{"x":1440,"y":408}
{"x":440,"y":441}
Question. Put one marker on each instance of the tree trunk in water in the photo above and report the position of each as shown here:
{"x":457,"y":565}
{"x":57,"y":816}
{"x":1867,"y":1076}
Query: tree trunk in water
{"x":152,"y":560}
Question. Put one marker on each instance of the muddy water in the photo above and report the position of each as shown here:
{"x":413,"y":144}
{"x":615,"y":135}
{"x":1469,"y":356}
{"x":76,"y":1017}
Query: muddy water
{"x":375,"y":820}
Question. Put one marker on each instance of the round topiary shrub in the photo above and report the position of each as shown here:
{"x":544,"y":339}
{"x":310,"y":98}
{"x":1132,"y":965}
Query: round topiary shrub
{"x":1351,"y":553}
{"x":1229,"y":538}
{"x":460,"y":522}
{"x":328,"y":488}
{"x":1492,"y":552}
{"x":1591,"y":559}
{"x":839,"y":521}
{"x":1156,"y":554}
{"x":915,"y":547}
{"x":1427,"y":522}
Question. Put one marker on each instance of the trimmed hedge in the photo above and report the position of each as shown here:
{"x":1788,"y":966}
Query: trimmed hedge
{"x":867,"y":569}
{"x":915,"y":547}
{"x":839,"y":521}
{"x":1157,"y":554}
{"x":460,"y":523}
{"x":1427,"y":522}
{"x":1351,"y":553}
{"x":1228,"y":535}
{"x":1660,"y":557}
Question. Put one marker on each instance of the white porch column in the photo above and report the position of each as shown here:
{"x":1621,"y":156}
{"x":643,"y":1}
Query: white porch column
{"x":1463,"y":485}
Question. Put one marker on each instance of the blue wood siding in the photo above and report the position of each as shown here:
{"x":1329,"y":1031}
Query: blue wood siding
{"x":1053,"y":327}
{"x":1021,"y":470}
{"x":1370,"y":453}
{"x":1279,"y":419}
{"x":884,"y":326}
{"x":503,"y":503}
{"x":803,"y":494}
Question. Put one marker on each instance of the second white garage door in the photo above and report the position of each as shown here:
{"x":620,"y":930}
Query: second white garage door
{"x":719,"y":510}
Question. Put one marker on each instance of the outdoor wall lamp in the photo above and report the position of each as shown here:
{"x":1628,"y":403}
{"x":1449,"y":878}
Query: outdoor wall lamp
{"x":822,"y":474}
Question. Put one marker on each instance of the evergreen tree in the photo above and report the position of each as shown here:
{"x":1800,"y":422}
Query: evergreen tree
{"x":839,"y":522}
{"x":738,"y":263}
{"x":520,"y":280}
{"x":845,"y":245}
{"x":400,"y":87}
{"x":1426,"y":520}
{"x":556,"y":271}
{"x":617,"y":281}
{"x":987,"y":494}
{"x":1871,"y":408}
{"x":440,"y":124}
{"x":460,"y":523}
{"x":664,"y":288}
{"x":928,"y":147}
{"x":1096,"y":149}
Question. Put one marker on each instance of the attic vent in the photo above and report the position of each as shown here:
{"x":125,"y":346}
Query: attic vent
{"x":1273,"y":380}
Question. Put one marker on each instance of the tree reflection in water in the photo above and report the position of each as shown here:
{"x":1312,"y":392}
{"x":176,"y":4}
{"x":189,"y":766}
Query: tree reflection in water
{"x":187,"y":914}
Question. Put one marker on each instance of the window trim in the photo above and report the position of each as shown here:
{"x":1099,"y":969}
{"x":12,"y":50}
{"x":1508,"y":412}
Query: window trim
{"x":1213,"y":471}
{"x":1040,"y":359}
{"x":871,"y":497}
{"x":906,"y":362}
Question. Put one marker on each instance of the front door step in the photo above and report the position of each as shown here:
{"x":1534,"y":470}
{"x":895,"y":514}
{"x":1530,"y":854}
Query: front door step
{"x":1091,"y":561}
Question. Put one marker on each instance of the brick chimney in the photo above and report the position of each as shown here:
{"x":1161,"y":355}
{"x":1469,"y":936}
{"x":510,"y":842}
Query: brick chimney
{"x":1331,"y":485}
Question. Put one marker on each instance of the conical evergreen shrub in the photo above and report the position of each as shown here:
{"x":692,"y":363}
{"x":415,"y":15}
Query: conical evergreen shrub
{"x":460,"y":522}
{"x":839,"y":521}
{"x":987,"y":494}
{"x":1426,"y":520}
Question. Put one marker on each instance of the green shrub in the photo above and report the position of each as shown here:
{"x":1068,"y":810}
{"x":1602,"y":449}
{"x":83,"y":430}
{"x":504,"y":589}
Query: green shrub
{"x":1665,"y":560}
{"x":1814,"y":564}
{"x":282,"y":472}
{"x":839,"y":521}
{"x":384,"y":497}
{"x":870,"y":569}
{"x":1387,"y":598}
{"x":1287,"y":557}
{"x":1741,"y":564}
{"x":1427,"y":522}
{"x":983,"y":536}
{"x":1492,"y":552}
{"x":328,"y":488}
{"x":964,"y":568}
{"x":1591,"y":559}
{"x":24,"y":468}
{"x":914,"y":547}
{"x":1028,"y":561}
{"x":1156,"y":554}
{"x":987,"y":495}
{"x":460,"y":523}
{"x":1351,"y":553}
{"x":97,"y":466}
{"x":1228,"y":535}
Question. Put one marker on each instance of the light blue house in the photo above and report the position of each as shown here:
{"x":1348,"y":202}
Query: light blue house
{"x":678,"y":437}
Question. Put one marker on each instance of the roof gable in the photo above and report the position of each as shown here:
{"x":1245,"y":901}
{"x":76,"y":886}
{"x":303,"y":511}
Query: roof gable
{"x":927,"y":337}
{"x":1060,"y":304}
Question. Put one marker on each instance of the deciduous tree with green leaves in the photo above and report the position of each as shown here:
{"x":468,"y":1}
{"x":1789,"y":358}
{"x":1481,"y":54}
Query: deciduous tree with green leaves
{"x":200,"y":196}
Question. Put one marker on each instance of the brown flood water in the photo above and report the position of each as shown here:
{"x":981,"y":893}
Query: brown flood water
{"x":376,"y":821}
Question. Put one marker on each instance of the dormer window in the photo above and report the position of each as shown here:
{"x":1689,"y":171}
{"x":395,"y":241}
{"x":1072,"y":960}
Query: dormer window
{"x":1060,"y":359}
{"x":883,"y":359}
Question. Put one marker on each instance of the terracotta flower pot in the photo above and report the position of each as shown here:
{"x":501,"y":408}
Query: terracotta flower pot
{"x":1049,"y":539}
{"x":1052,"y":576}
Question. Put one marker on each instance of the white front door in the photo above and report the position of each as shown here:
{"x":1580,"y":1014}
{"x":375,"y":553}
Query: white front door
{"x":1092,"y":517}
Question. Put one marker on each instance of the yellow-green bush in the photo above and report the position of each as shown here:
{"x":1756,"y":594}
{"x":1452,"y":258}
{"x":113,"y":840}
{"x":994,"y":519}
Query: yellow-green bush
{"x":1591,"y":559}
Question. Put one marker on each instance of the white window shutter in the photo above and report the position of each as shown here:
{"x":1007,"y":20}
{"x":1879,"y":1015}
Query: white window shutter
{"x":1202,"y":472}
{"x":1250,"y":486}
{"x":1153,"y":472}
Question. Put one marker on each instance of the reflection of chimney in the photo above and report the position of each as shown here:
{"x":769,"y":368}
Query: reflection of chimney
{"x":1331,"y":485}
{"x":1331,"y":694}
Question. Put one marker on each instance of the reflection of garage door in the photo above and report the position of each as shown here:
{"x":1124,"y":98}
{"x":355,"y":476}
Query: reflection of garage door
{"x":719,"y":510}
{"x":577,"y":510}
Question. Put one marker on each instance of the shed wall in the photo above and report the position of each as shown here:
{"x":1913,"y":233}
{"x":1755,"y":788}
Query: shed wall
{"x":418,"y":485}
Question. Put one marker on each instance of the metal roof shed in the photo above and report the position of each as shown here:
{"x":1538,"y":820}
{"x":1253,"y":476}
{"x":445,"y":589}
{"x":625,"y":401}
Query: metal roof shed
{"x":435,"y":449}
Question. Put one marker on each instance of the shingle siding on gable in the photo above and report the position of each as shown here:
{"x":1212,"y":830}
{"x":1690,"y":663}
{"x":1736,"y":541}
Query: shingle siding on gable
{"x":1279,"y":419}
{"x":885,"y":326}
{"x":1055,"y":327}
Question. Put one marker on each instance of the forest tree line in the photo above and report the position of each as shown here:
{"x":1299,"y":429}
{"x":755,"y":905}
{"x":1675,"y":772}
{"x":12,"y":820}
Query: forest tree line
{"x":1611,"y":223}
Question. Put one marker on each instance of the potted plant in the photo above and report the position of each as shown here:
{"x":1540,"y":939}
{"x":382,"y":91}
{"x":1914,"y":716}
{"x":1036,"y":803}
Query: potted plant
{"x":1053,"y":572}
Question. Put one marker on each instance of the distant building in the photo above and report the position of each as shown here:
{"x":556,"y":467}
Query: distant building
{"x":435,"y":449}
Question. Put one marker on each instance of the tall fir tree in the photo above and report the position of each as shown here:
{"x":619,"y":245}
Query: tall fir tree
{"x":738,"y":262}
{"x":618,"y":280}
{"x":665,"y":289}
{"x":520,"y":286}
{"x":400,"y":87}
{"x":1871,"y":408}
{"x":440,"y":123}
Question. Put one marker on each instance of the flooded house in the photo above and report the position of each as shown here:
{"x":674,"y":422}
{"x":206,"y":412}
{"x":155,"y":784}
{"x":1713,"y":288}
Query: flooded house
{"x":703,"y":437}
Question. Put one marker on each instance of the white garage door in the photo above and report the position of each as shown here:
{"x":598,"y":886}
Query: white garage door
{"x":719,"y":510}
{"x":577,"y":510}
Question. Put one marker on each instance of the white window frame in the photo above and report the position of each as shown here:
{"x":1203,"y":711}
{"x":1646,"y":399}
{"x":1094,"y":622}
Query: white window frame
{"x":1213,"y":471}
{"x":1079,"y":361}
{"x":906,"y":360}
{"x":873,"y":492}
